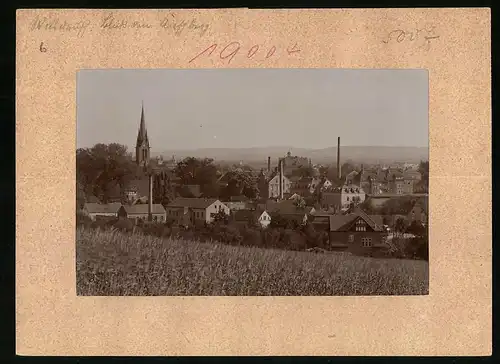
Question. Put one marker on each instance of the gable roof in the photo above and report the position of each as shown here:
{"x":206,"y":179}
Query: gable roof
{"x":343,"y":222}
{"x":192,"y":202}
{"x":285,"y":178}
{"x":96,"y":208}
{"x":143,"y":209}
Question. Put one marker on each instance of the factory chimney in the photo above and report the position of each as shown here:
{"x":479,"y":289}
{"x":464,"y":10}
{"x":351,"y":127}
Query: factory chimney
{"x":150,"y":198}
{"x":339,"y":172}
{"x":268,"y":165}
{"x":280,"y":167}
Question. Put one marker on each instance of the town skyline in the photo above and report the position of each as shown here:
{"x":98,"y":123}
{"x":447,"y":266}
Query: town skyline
{"x":109,"y":102}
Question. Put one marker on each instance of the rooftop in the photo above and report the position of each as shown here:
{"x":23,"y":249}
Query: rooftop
{"x":194,"y":203}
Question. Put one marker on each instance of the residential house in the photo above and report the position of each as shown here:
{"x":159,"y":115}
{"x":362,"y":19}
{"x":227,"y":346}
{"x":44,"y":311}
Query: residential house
{"x":397,"y":186}
{"x":343,"y":197}
{"x":321,"y":183}
{"x":187,"y":211}
{"x":306,"y":186}
{"x":95,"y":210}
{"x":141,"y":212}
{"x":289,"y":211}
{"x":137,"y":189}
{"x":301,"y":186}
{"x":236,"y":205}
{"x":420,"y":211}
{"x":274,"y":186}
{"x":412,"y":174}
{"x":251,"y":216}
{"x":356,"y":232}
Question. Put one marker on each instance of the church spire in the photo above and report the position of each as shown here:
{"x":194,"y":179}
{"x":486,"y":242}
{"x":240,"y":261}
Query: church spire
{"x":142,"y":136}
{"x":142,"y":146}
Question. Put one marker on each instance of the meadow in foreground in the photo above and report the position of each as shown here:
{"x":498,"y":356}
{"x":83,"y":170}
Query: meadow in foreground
{"x":112,"y":263}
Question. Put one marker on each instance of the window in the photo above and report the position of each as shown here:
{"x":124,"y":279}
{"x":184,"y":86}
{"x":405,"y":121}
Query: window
{"x":351,"y":238}
{"x":347,"y":198}
{"x":360,"y":225}
{"x":366,"y":242}
{"x":161,"y":218}
{"x":155,"y":218}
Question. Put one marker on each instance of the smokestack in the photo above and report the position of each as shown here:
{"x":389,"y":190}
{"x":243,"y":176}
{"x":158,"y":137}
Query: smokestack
{"x":268,"y":164}
{"x":150,"y":198}
{"x":280,"y":166}
{"x":339,"y":173}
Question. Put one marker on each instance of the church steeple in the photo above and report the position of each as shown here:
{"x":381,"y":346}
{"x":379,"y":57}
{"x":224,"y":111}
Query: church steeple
{"x":142,"y":154}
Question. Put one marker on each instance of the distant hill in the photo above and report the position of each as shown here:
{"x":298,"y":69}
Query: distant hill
{"x":366,"y":154}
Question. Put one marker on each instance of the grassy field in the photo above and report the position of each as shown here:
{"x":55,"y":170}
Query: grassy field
{"x":117,"y":264}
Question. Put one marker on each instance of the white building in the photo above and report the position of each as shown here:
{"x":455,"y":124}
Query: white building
{"x":93,"y":210}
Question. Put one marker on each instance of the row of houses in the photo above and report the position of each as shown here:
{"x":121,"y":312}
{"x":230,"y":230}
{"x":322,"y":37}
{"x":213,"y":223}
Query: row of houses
{"x":354,"y":229}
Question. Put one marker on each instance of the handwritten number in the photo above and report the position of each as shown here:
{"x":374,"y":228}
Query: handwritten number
{"x":232,"y":54}
{"x":251,"y":52}
{"x":232,"y":49}
{"x":401,"y":36}
{"x":293,"y":50}
{"x":271,"y":52}
{"x":42,"y":48}
{"x":211,"y":48}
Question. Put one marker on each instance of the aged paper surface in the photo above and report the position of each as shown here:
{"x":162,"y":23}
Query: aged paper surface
{"x":452,"y":44}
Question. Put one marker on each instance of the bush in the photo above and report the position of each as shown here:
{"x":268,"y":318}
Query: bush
{"x":124,"y":225}
{"x":251,"y":237}
{"x":270,"y":237}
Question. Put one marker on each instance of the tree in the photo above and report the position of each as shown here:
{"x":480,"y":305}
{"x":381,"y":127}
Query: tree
{"x":163,"y":190}
{"x":240,"y":183}
{"x":417,"y":228}
{"x":399,"y":226}
{"x":398,"y":205}
{"x":278,"y":221}
{"x":203,"y":172}
{"x":103,"y":166}
{"x":220,"y":217}
{"x":303,"y":171}
{"x":81,"y":198}
{"x":423,"y":168}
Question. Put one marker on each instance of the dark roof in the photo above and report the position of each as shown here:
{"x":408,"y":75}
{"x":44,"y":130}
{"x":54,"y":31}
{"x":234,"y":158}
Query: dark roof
{"x":194,"y":203}
{"x":290,"y":209}
{"x":96,"y":208}
{"x":143,"y":209}
{"x":92,"y":199}
{"x":342,"y":222}
{"x":245,"y":215}
{"x":240,"y":198}
{"x":412,"y":174}
{"x":339,"y":221}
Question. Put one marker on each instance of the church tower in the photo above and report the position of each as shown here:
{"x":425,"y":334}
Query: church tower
{"x":142,"y":149}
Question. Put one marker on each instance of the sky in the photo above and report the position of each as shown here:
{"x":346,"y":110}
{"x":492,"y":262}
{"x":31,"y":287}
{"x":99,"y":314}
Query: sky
{"x":241,"y":108}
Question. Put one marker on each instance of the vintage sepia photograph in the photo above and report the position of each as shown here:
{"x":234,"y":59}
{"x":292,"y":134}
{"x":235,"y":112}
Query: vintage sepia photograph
{"x":252,"y":182}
